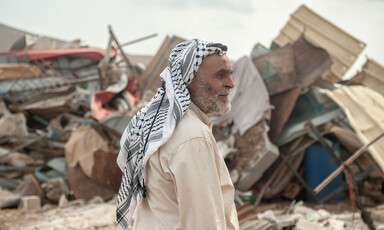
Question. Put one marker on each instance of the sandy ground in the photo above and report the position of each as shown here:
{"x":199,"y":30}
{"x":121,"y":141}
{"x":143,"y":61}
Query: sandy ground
{"x":101,"y":216}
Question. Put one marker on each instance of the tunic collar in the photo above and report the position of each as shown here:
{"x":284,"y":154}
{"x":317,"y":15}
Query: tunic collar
{"x":201,"y":115}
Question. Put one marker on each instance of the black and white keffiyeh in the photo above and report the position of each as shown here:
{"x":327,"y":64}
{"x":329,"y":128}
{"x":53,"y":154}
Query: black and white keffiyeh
{"x":154,"y":124}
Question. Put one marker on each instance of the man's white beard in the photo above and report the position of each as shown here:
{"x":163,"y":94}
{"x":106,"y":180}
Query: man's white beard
{"x":210,"y":103}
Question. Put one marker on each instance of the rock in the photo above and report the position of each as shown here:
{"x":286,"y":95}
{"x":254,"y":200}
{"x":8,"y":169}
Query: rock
{"x":55,"y":188}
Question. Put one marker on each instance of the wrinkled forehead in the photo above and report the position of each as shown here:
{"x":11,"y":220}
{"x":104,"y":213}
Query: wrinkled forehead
{"x":215,"y":63}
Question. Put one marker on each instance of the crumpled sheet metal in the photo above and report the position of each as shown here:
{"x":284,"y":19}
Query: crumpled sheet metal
{"x":372,"y":76}
{"x":342,"y":47}
{"x":364,"y":108}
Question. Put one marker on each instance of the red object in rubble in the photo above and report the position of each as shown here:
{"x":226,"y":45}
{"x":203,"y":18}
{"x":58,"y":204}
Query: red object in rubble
{"x":95,"y":54}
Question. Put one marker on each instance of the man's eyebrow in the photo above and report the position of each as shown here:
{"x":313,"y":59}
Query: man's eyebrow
{"x":223,"y":70}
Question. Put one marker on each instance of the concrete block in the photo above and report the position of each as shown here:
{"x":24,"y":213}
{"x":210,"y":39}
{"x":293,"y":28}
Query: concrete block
{"x":28,"y":203}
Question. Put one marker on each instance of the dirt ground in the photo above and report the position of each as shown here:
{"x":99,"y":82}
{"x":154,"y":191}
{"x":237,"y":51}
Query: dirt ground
{"x":74,"y":216}
{"x":78,"y":215}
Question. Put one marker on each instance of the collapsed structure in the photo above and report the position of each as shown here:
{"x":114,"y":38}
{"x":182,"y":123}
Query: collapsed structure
{"x":294,"y":120}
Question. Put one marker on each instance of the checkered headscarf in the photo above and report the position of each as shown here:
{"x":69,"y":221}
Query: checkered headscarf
{"x":154,"y":124}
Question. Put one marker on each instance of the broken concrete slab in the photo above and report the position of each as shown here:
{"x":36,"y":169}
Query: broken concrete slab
{"x":29,"y":203}
{"x":255,"y":153}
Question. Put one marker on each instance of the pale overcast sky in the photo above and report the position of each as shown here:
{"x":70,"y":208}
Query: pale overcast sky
{"x":239,"y":24}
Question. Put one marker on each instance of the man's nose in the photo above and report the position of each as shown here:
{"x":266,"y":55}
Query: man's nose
{"x":229,"y":82}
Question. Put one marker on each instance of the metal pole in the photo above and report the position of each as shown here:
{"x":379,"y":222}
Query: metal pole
{"x":139,"y":39}
{"x":347,"y":162}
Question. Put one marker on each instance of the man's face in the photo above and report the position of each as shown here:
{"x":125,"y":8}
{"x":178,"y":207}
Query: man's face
{"x":212,"y":84}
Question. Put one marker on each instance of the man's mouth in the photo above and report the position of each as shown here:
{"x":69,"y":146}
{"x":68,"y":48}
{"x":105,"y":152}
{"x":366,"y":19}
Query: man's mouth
{"x":223,"y":97}
{"x":224,"y":94}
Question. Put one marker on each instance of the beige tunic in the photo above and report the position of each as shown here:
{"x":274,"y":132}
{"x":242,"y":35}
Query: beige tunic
{"x":188,"y":184}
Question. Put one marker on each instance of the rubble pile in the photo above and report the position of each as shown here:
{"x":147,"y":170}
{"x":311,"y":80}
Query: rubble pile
{"x":294,"y":121}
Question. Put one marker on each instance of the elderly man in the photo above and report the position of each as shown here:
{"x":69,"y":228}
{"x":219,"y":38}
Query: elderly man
{"x":173,"y":172}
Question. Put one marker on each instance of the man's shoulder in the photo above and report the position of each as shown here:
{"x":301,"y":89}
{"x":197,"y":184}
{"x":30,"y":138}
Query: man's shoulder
{"x":189,"y":127}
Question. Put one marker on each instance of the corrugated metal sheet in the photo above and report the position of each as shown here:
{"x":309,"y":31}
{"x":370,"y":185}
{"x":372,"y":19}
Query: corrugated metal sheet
{"x":364,"y":108}
{"x":372,"y":76}
{"x":342,"y":47}
{"x":10,"y":35}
